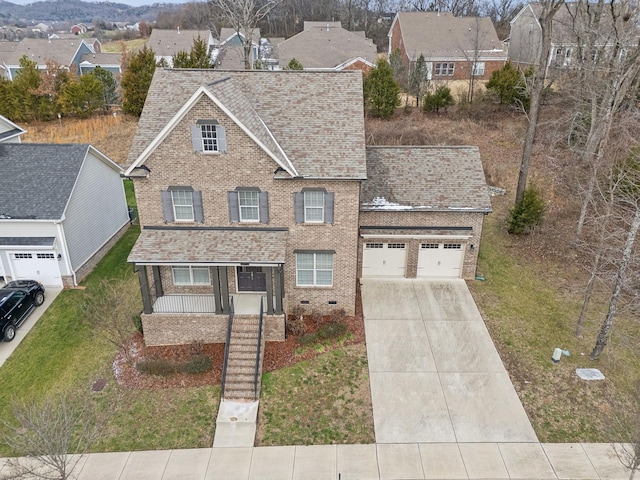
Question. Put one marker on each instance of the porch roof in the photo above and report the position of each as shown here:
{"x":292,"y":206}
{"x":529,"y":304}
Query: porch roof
{"x":166,"y":245}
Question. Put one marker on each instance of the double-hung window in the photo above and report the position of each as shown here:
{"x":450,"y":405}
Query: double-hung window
{"x":188,"y":275}
{"x":478,"y":69}
{"x":314,"y":269}
{"x":313,"y":205}
{"x":182,"y":204}
{"x":208,"y":136}
{"x":444,"y":68}
{"x":248,"y":204}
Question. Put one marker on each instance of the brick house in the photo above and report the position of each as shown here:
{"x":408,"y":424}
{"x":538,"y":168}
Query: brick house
{"x":454,"y":47}
{"x":250,"y":190}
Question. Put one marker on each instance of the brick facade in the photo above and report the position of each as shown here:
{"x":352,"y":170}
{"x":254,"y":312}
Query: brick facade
{"x":174,"y":163}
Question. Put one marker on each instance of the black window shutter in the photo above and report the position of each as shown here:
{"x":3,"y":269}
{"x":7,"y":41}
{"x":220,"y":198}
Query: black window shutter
{"x":167,"y":206}
{"x":234,"y":209}
{"x":264,"y":207}
{"x":198,"y":211}
{"x":196,"y":138}
{"x":328,"y":207}
{"x":298,"y":206}
{"x":221,"y":136}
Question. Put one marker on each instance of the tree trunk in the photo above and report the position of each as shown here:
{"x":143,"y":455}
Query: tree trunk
{"x":550,"y":7}
{"x":587,"y":297}
{"x":607,"y":324}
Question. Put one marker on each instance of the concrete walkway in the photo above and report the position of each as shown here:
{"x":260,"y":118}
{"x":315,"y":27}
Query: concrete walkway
{"x":435,"y":373}
{"x":361,"y":462}
{"x":7,"y":348}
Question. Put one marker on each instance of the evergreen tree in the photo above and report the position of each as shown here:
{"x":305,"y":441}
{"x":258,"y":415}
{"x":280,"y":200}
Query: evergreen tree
{"x":180,"y":60}
{"x":418,"y":79}
{"x":508,"y":84}
{"x":381,"y":92}
{"x":198,"y":57}
{"x":398,"y":68}
{"x":294,"y":64}
{"x":136,"y":80}
{"x":82,"y":97}
{"x":22,"y":100}
{"x":109,"y":85}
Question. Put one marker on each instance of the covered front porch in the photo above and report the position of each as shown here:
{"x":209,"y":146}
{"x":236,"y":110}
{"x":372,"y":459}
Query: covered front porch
{"x":192,"y":279}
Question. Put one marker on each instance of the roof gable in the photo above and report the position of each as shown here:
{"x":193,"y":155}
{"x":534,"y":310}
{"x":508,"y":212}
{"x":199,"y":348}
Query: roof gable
{"x":170,"y":42}
{"x":286,"y":113}
{"x":39,"y":50}
{"x":47,"y":175}
{"x":9,"y":130}
{"x":425,"y":179}
{"x":441,"y":35}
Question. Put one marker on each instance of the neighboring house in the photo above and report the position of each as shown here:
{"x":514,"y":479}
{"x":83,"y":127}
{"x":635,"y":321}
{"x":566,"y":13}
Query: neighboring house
{"x":62,"y":208}
{"x":78,"y":28}
{"x":249,"y":187}
{"x":166,"y":43}
{"x":9,"y":131}
{"x":454,"y":47}
{"x":525,"y":37}
{"x":328,"y":46}
{"x":67,"y":52}
{"x":231,"y":49}
{"x":108,"y":61}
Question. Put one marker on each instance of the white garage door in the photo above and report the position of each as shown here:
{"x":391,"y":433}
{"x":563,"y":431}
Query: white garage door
{"x":440,"y":260}
{"x":40,"y":266}
{"x":384,"y":259}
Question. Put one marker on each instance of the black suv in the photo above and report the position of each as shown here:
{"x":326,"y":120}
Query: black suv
{"x":17,"y":300}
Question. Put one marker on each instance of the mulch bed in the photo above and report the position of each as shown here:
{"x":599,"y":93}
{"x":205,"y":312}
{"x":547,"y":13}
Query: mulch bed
{"x":277,"y":355}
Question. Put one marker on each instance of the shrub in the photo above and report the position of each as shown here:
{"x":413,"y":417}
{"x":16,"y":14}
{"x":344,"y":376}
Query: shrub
{"x":441,"y":98}
{"x":156,"y":366}
{"x":316,"y":318}
{"x":338,"y":314}
{"x":526,"y":214}
{"x":295,"y":325}
{"x":332,"y":330}
{"x":137,"y":322}
{"x":197,"y":364}
{"x":508,"y":84}
{"x":308,"y":338}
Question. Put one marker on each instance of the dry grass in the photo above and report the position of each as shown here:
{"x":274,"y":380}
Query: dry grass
{"x":115,"y":47}
{"x":111,"y":134}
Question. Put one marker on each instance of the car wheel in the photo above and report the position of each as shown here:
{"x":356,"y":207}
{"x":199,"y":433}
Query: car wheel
{"x":9,"y":333}
{"x":39,"y":299}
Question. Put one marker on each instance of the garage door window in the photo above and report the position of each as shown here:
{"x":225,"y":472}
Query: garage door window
{"x":396,"y":245}
{"x":45,"y":255}
{"x":429,"y":245}
{"x":374,"y":245}
{"x":314,"y":269}
{"x":452,"y":246}
{"x":23,"y":255}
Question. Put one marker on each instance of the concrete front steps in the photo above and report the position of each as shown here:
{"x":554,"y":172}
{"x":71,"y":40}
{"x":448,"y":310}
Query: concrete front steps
{"x":238,"y":412}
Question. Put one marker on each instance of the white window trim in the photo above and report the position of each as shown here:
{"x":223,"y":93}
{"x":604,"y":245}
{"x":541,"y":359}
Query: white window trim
{"x":478,"y":69}
{"x":174,"y":205}
{"x":444,"y":72}
{"x":256,"y":206}
{"x":191,"y":281}
{"x":315,"y":270}
{"x":205,"y":129}
{"x":321,"y":207}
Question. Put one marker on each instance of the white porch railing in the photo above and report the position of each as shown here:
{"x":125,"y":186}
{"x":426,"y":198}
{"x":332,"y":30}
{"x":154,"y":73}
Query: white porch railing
{"x":185,"y":304}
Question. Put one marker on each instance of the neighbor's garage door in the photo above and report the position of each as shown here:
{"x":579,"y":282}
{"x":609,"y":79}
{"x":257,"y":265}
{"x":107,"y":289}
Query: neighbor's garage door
{"x":42,"y":266}
{"x":384,"y":259}
{"x":440,"y":260}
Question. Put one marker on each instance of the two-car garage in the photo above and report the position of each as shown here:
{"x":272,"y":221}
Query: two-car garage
{"x":434,"y":259}
{"x":42,"y":266}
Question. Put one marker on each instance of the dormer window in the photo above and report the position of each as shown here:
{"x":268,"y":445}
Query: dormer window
{"x":208,"y":136}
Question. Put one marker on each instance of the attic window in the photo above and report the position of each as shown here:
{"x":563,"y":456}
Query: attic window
{"x":208,"y":136}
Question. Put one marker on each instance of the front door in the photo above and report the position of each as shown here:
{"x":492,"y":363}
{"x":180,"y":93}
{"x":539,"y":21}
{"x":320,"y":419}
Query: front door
{"x":252,"y":279}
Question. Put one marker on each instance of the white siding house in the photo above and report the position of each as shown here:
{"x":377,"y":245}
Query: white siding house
{"x":61,"y":215}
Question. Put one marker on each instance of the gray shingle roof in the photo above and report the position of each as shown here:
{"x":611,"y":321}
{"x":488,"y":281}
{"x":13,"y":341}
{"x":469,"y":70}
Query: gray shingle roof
{"x":226,"y":33}
{"x":441,"y":35}
{"x":102,"y":58}
{"x":41,"y":178}
{"x":170,"y":42}
{"x":40,"y":50}
{"x":425,"y":179}
{"x":319,"y":46}
{"x":316,"y":117}
{"x":27,"y":241}
{"x":209,"y":245}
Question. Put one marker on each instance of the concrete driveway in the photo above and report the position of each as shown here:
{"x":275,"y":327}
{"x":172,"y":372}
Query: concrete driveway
{"x":7,"y":348}
{"x":435,"y":374}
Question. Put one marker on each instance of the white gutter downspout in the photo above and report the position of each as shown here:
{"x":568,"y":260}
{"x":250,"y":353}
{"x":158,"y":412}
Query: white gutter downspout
{"x":66,"y":251}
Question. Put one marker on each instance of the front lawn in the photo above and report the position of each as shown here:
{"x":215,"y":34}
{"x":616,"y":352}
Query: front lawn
{"x":62,"y":356}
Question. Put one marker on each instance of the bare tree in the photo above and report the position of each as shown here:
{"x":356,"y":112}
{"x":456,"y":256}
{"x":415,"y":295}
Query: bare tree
{"x":501,"y":12}
{"x":51,"y":437}
{"x":110,"y":310}
{"x":608,"y":62}
{"x":538,"y":79}
{"x":244,"y":16}
{"x":626,"y":177}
